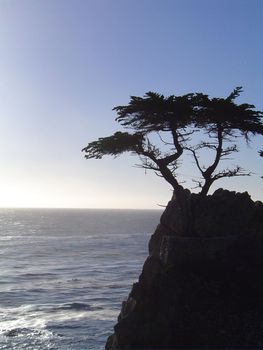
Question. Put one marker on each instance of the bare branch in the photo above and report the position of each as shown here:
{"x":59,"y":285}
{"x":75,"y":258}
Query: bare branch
{"x":229,"y":150}
{"x":196,"y":159}
{"x":165,"y":142}
{"x":157,"y":174}
{"x":237,"y":171}
{"x":161,"y":205}
{"x":205,"y":144}
{"x":198,"y":184}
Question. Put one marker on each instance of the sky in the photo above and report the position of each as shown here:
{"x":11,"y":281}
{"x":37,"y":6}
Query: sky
{"x":64,"y":65}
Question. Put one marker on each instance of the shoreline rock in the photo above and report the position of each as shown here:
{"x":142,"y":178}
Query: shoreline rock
{"x":202,"y":283}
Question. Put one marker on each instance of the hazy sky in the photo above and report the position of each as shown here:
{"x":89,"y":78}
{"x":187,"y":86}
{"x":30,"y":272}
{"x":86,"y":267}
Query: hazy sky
{"x":65,"y":64}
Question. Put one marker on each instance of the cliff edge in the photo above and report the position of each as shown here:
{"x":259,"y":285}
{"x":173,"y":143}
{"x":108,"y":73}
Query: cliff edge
{"x":202,"y":283}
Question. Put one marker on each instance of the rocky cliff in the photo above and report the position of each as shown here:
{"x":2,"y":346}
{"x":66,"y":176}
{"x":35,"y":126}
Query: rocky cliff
{"x":202,"y":283}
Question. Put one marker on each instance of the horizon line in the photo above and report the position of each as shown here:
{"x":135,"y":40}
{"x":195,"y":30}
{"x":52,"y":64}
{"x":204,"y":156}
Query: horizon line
{"x":81,"y":208}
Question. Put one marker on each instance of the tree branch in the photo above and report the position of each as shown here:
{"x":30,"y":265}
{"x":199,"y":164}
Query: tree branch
{"x":207,"y":174}
{"x":196,"y":159}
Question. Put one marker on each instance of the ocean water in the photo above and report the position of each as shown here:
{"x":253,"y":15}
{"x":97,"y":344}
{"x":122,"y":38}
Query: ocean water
{"x":65,"y":273}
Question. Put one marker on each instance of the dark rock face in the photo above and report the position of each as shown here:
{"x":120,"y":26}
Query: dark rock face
{"x":202,"y":284}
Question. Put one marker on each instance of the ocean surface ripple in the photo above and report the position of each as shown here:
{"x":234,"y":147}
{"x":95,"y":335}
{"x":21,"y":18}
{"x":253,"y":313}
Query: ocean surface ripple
{"x":65,"y":273}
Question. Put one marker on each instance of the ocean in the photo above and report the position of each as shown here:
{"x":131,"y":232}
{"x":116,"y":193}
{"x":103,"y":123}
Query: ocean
{"x":65,"y":273}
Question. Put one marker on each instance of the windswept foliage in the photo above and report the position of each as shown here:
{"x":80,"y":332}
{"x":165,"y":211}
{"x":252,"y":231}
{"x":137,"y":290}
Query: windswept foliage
{"x":176,"y":119}
{"x":114,"y":145}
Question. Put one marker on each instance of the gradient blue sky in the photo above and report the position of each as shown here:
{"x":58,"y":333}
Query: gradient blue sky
{"x":65,"y":64}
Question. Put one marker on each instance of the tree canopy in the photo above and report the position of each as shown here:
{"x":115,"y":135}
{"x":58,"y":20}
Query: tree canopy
{"x":176,"y":120}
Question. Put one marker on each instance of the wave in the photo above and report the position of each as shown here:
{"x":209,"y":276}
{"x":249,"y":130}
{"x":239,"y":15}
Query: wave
{"x":38,"y":275}
{"x":23,"y":331}
{"x":45,"y":310}
{"x":78,"y":307}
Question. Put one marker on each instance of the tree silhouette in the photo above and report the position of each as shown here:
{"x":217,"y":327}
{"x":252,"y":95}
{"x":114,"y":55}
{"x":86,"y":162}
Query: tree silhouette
{"x":177,"y":121}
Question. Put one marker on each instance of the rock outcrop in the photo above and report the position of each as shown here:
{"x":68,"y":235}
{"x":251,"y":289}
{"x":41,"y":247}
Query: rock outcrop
{"x":202,"y":283}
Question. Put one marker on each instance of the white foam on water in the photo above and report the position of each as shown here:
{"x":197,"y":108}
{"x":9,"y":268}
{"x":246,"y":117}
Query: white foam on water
{"x":65,"y":273}
{"x":23,"y":317}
